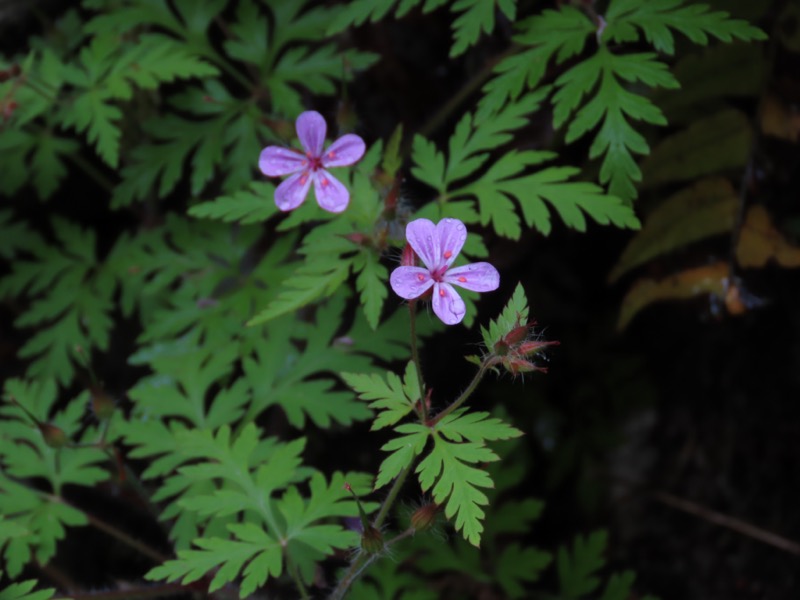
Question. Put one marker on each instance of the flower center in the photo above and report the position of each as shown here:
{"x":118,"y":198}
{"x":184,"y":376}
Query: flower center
{"x":314,"y":162}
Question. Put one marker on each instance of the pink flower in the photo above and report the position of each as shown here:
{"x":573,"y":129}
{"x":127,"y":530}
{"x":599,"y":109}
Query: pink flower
{"x":310,"y":166}
{"x":437,"y":246}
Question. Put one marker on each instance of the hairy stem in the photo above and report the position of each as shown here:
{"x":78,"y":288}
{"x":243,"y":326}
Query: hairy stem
{"x":412,"y":312}
{"x":392,"y":496}
{"x":464,"y":395}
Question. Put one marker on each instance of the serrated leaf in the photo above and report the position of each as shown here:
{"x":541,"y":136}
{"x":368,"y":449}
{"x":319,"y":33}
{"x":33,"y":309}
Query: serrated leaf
{"x":24,"y":590}
{"x":455,"y":484}
{"x":404,"y":450}
{"x":391,"y":396}
{"x":555,"y":34}
{"x":576,"y":569}
{"x":474,"y":427}
{"x":371,"y":280}
{"x":514,"y":314}
{"x":657,"y":17}
{"x":253,"y":205}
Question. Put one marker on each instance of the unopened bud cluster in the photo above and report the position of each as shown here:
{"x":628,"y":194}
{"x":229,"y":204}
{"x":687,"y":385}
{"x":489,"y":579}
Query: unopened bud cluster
{"x":517,"y":349}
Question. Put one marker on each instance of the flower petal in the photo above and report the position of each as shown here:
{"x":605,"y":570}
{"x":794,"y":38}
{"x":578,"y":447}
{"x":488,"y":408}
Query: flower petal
{"x":447,"y":304}
{"x":452,"y":234}
{"x":291,"y":193}
{"x":311,"y":130}
{"x":410,"y":282}
{"x":424,"y":239}
{"x":275,"y":161}
{"x":478,"y":277}
{"x":347,"y":150}
{"x":331,"y":193}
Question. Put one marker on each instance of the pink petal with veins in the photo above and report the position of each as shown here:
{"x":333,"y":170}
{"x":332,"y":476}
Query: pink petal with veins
{"x":331,"y":193}
{"x":291,"y":193}
{"x":452,"y":234}
{"x":311,"y":130}
{"x":424,"y":239}
{"x":478,"y":277}
{"x":410,"y":282}
{"x":447,"y":304}
{"x":345,"y":151}
{"x":275,"y":161}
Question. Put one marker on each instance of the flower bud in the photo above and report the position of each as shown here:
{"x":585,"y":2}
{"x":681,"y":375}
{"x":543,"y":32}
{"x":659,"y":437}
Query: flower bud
{"x":532,"y":347}
{"x":517,"y":365}
{"x":409,"y":257}
{"x":55,"y":437}
{"x":372,"y":540}
{"x":424,"y":517}
{"x":102,"y":403}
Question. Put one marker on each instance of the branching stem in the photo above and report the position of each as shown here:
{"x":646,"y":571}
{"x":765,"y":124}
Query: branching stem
{"x":464,"y":395}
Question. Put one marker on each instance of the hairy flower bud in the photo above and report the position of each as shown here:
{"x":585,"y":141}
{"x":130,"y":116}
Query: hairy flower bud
{"x":518,"y":365}
{"x":102,"y":403}
{"x":409,"y":257}
{"x":424,"y":517}
{"x":54,"y":436}
{"x":372,"y":540}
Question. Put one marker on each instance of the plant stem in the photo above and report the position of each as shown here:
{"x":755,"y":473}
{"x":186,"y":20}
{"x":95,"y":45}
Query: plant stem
{"x":297,"y":580}
{"x":92,"y":171}
{"x":464,"y":395}
{"x":415,"y":357}
{"x":117,"y":534}
{"x":363,"y":560}
{"x":387,"y":504}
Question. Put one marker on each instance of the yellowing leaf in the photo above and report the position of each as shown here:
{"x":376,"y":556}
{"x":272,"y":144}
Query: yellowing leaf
{"x":705,"y":209}
{"x":760,"y":242}
{"x":778,"y":120}
{"x":711,"y":279}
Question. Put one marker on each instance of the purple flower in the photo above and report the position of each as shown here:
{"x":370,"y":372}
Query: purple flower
{"x":437,"y":246}
{"x":310,"y":166}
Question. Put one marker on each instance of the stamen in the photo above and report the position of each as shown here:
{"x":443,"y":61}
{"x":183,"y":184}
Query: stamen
{"x":442,"y":293}
{"x":462,"y":279}
{"x":447,"y":254}
{"x":331,"y":154}
{"x":303,"y":179}
{"x":324,"y":182}
{"x":421,"y":277}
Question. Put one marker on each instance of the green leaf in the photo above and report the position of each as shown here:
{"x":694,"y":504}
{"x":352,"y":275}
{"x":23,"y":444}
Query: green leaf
{"x":371,"y":283}
{"x":404,"y":450}
{"x":612,"y":107}
{"x":476,"y":16}
{"x":455,"y":483}
{"x":391,"y":396}
{"x":37,"y":524}
{"x":576,"y":569}
{"x":557,"y":35}
{"x":506,"y":180}
{"x":27,"y":453}
{"x":515,"y":313}
{"x":252,"y":205}
{"x":517,"y":565}
{"x":302,"y":383}
{"x":252,"y":547}
{"x":69,"y":294}
{"x":24,"y":590}
{"x":474,"y":427}
{"x":657,"y":17}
